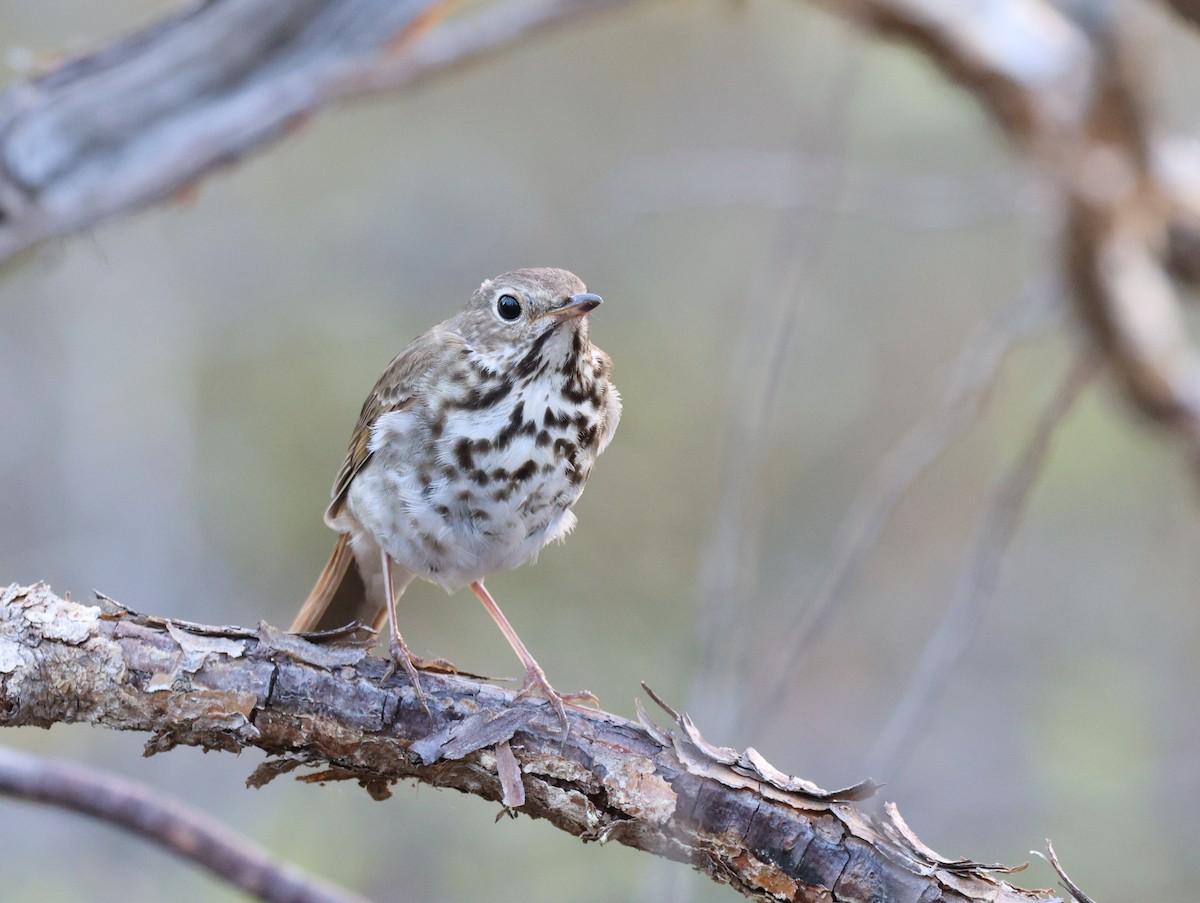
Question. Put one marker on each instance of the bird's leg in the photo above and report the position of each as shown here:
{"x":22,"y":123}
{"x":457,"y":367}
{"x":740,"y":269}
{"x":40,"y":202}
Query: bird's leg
{"x":396,"y":645}
{"x":535,"y":677}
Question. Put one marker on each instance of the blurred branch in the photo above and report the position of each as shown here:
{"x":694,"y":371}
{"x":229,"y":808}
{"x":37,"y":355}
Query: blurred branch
{"x":467,"y":42}
{"x":168,"y":822}
{"x":144,"y":118}
{"x":1188,"y":9}
{"x":667,"y":792}
{"x":1071,"y":94}
{"x":716,"y":180}
{"x":977,"y":585}
{"x":778,"y":293}
{"x":963,"y":400}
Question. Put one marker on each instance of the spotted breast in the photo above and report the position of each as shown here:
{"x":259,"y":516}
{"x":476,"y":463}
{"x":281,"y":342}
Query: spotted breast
{"x":477,"y":476}
{"x":468,"y":456}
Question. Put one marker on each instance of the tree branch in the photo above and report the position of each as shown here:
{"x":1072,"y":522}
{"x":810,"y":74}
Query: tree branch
{"x":146,"y":117}
{"x":963,"y":400}
{"x":1071,"y":95}
{"x":976,"y":584}
{"x":177,"y":827}
{"x":668,"y":792}
{"x":143,"y":119}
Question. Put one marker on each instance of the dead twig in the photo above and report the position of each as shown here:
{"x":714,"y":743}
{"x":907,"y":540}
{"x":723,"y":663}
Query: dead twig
{"x":962,"y":402}
{"x":1072,"y":888}
{"x":170,"y":823}
{"x":780,"y":292}
{"x":998,"y":524}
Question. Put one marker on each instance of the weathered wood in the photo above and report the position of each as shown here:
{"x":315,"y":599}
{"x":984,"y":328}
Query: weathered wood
{"x":146,"y":117}
{"x":143,"y":117}
{"x":668,"y":792}
{"x":1082,"y":114}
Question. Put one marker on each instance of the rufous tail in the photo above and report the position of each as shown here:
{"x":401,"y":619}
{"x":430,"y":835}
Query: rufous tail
{"x":340,"y":596}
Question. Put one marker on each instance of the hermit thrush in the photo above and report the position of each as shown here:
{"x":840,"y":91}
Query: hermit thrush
{"x":467,"y":457}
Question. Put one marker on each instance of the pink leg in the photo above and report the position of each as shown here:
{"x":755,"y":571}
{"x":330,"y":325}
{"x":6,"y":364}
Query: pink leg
{"x":396,"y":645}
{"x":535,"y":677}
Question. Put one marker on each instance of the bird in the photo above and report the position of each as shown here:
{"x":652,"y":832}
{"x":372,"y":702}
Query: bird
{"x":467,"y":458}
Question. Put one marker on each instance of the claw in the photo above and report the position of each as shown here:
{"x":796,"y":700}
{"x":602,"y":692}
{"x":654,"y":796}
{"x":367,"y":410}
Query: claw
{"x":535,"y":682}
{"x":438,"y":665}
{"x":400,"y":656}
{"x":581,"y":699}
{"x":535,"y":678}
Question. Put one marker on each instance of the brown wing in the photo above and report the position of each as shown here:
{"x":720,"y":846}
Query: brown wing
{"x":423,"y":363}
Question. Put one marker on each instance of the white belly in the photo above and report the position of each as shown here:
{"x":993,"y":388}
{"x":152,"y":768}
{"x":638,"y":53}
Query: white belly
{"x":482,"y":496}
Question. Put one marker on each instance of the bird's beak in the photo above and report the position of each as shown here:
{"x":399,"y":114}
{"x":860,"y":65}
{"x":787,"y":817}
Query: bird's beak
{"x":577,"y":305}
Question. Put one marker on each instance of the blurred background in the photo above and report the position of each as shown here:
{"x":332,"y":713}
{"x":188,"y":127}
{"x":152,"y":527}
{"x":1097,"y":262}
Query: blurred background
{"x":797,"y":230}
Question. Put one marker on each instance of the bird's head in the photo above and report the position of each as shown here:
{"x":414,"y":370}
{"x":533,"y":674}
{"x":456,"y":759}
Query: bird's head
{"x":526,"y":309}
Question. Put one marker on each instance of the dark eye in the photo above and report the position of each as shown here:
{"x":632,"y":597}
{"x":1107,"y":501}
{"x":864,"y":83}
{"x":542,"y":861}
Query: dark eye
{"x":508,"y":307}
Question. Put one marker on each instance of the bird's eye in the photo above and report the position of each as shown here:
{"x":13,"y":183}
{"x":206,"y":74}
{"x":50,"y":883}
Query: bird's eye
{"x":508,"y":307}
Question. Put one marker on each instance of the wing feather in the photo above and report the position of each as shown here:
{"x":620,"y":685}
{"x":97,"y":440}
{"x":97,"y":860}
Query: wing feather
{"x":403,"y":385}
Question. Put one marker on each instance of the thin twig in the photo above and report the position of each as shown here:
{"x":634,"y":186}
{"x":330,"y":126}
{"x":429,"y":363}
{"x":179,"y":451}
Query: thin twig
{"x":1072,"y":888}
{"x":729,"y":556}
{"x":977,"y":585}
{"x":717,"y":179}
{"x":163,"y":820}
{"x":962,"y":402}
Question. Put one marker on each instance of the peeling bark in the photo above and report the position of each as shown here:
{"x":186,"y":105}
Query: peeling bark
{"x":321,"y":710}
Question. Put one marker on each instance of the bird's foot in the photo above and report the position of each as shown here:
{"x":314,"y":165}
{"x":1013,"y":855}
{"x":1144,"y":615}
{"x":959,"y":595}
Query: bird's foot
{"x":535,"y":682}
{"x":402,"y":658}
{"x":438,"y":665}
